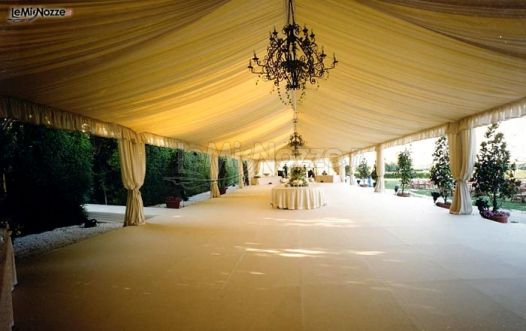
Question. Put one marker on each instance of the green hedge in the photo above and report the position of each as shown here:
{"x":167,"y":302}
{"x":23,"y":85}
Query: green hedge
{"x":48,"y":176}
{"x":190,"y":170}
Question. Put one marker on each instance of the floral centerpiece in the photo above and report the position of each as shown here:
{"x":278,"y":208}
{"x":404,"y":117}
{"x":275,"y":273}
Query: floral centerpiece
{"x":298,"y":177}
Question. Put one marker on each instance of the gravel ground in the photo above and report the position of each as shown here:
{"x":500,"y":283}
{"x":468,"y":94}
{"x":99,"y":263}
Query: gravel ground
{"x":36,"y":244}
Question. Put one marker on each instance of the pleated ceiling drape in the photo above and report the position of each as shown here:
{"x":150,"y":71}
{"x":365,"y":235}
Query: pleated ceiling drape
{"x":133,"y":169}
{"x":462,"y":151}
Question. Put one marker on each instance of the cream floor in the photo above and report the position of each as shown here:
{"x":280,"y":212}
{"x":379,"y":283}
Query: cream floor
{"x":365,"y":262}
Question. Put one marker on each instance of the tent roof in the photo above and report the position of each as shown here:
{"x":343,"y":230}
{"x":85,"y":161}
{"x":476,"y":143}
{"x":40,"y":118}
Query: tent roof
{"x":178,"y":68}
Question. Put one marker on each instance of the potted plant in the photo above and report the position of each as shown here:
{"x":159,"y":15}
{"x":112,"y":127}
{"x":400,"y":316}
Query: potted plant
{"x":440,"y":173}
{"x":363,"y":172}
{"x":405,"y":171}
{"x":494,"y":176}
{"x":179,"y":195}
{"x":435,"y":196}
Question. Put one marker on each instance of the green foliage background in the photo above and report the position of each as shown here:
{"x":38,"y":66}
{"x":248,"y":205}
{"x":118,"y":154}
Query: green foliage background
{"x":50,"y":174}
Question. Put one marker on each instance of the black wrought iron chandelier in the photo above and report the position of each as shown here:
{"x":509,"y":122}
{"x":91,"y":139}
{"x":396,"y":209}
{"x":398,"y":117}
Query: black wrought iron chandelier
{"x":292,"y":60}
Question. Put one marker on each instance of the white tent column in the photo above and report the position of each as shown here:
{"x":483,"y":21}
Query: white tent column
{"x":214,"y":173}
{"x":241,"y":178}
{"x":132,"y":156}
{"x":462,"y":159}
{"x":380,"y":169}
{"x":351,"y":169}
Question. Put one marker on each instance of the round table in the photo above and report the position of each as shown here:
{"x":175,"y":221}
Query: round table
{"x":308,"y":197}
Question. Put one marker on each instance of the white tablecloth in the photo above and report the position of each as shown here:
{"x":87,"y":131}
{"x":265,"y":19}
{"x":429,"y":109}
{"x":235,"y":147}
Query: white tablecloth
{"x":328,"y":179}
{"x":268,"y":180}
{"x":309,"y":197}
{"x":7,"y":280}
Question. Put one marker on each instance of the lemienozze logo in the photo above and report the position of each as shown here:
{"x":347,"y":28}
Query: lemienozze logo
{"x":29,"y":14}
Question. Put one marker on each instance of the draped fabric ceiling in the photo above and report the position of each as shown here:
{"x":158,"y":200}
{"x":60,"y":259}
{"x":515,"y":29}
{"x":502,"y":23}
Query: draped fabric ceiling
{"x":178,"y":68}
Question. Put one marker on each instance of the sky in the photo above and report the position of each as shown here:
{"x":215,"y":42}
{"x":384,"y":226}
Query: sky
{"x":422,"y":151}
{"x":514,"y":134}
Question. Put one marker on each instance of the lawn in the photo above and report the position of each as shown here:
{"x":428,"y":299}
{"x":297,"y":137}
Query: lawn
{"x":390,"y":183}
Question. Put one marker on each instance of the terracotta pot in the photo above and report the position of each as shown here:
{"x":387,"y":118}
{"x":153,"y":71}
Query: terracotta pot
{"x":173,"y":202}
{"x":404,"y":195}
{"x":500,"y":218}
{"x":446,"y":205}
{"x":222,"y":190}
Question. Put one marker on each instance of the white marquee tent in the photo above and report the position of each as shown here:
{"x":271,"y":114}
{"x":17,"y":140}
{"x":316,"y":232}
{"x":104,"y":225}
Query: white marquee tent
{"x":173,"y":73}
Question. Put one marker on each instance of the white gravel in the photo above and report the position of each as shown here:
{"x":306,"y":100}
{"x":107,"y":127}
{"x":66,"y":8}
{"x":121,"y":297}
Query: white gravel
{"x":109,"y":217}
{"x":36,"y":244}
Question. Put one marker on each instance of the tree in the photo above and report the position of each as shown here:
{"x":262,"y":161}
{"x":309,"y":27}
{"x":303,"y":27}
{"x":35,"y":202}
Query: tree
{"x":363,"y":170}
{"x":494,"y":173}
{"x":440,"y":173}
{"x":405,"y":169}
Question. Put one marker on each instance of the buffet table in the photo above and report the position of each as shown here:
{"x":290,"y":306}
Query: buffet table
{"x":268,"y":180}
{"x":328,"y":179}
{"x":309,"y":197}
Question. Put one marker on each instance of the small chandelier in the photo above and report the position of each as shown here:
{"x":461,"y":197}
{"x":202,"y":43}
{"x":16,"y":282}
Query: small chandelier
{"x":292,"y":60}
{"x":295,"y":140}
{"x":295,"y":143}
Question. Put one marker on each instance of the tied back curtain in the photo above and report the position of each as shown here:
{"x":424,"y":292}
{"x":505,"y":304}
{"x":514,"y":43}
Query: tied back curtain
{"x":132,"y":157}
{"x":462,"y":159}
{"x":335,"y":163}
{"x":8,"y":280}
{"x":214,"y":173}
{"x":380,"y":169}
{"x":241,"y":180}
{"x":342,"y":169}
{"x":351,"y":169}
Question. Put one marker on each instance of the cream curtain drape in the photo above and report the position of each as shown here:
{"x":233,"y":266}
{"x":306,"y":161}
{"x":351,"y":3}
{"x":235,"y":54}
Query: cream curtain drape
{"x":341,"y":171}
{"x":462,"y":159}
{"x":380,"y":169}
{"x":8,"y":280}
{"x":351,"y":168}
{"x":214,"y":173}
{"x":133,"y":169}
{"x":241,"y":180}
{"x":335,"y":164}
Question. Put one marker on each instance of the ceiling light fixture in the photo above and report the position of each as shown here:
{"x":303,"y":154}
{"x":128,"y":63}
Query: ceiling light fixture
{"x":292,"y":60}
